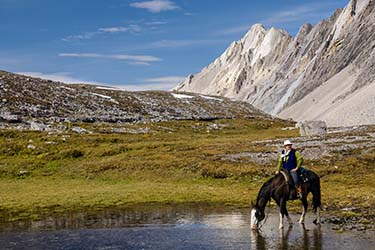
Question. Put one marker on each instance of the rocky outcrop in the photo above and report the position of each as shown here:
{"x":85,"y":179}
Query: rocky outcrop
{"x":282,"y":75}
{"x":312,"y":128}
{"x":35,"y":104}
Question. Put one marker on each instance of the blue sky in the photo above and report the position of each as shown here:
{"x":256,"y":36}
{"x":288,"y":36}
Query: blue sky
{"x":136,"y":44}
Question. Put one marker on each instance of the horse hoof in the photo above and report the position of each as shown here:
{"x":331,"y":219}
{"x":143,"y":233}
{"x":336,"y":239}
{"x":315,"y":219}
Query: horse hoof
{"x":316,"y":222}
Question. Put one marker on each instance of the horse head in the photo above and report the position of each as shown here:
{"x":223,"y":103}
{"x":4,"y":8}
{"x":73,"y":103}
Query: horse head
{"x":256,"y":216}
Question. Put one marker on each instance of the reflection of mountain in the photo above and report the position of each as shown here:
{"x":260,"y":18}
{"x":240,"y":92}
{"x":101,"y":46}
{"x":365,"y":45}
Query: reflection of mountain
{"x":326,"y":71}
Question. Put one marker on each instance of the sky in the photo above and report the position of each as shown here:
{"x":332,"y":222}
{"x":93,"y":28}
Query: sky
{"x":136,"y":44}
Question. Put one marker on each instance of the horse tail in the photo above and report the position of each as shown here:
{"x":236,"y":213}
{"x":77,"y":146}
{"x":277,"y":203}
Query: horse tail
{"x":316,"y":194}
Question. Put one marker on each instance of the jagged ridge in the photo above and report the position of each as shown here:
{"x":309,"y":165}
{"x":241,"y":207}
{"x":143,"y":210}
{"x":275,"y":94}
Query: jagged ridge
{"x":285,"y":75}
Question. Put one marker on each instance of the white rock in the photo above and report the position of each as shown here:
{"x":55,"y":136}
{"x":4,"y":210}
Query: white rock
{"x":311,"y":128}
{"x":80,"y":130}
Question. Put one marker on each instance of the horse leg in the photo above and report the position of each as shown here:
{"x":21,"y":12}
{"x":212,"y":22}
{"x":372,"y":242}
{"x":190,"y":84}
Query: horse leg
{"x":318,"y":215}
{"x":287,"y":215}
{"x":283,"y":212}
{"x":317,"y":202}
{"x":281,"y":223}
{"x":304,"y":210}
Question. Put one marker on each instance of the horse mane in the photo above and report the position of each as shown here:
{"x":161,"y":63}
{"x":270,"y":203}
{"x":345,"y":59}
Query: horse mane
{"x":265,"y":191}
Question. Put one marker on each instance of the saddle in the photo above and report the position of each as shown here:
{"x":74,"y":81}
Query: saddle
{"x":287,"y":176}
{"x":304,"y":175}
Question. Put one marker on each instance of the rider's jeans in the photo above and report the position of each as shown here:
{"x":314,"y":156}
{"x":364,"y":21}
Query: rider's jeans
{"x":295,"y":177}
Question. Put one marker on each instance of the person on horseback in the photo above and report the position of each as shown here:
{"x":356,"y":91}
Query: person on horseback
{"x":291,"y":160}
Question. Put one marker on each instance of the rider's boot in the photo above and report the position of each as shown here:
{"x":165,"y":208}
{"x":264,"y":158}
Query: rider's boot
{"x":299,"y":191}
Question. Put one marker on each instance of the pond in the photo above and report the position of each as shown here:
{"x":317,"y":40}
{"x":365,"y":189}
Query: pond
{"x":175,"y":228}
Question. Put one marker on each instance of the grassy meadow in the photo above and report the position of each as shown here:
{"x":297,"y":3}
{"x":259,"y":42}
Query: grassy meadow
{"x":177,"y":162}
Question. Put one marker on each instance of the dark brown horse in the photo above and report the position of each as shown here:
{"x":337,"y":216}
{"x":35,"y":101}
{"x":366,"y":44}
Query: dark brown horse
{"x":278,"y":188}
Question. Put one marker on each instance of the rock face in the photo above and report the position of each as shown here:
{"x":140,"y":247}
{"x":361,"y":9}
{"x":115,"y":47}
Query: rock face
{"x":326,"y":72}
{"x":34,"y":103}
{"x":312,"y":128}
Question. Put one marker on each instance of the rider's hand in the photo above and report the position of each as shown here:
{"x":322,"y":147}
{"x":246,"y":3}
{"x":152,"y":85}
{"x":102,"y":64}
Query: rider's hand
{"x":277,"y":172}
{"x":294,"y":169}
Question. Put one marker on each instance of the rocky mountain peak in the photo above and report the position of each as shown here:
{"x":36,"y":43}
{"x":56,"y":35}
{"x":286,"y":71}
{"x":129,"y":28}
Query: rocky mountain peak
{"x":279,"y":74}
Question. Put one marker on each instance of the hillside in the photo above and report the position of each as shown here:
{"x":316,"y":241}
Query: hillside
{"x":25,"y":100}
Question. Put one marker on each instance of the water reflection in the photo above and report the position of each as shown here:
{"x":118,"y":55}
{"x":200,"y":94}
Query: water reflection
{"x":258,"y":242}
{"x":172,"y":228}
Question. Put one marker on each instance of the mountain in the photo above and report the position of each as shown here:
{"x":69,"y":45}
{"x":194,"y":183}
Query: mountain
{"x":326,"y":72}
{"x":24,"y":100}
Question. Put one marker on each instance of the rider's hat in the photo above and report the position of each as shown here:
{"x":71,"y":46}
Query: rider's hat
{"x":287,"y":142}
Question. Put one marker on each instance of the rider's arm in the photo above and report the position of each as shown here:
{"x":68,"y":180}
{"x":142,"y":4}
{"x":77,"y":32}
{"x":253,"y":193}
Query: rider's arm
{"x":299,"y":159}
{"x":279,"y":164}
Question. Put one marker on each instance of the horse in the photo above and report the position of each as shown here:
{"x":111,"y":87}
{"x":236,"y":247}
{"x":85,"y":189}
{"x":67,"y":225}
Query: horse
{"x":278,"y":188}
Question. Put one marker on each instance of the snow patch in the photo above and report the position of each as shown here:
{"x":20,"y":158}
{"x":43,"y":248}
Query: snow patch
{"x":211,"y":98}
{"x":67,"y":88}
{"x":108,"y":88}
{"x":102,"y":96}
{"x":106,"y":97}
{"x":181,"y":96}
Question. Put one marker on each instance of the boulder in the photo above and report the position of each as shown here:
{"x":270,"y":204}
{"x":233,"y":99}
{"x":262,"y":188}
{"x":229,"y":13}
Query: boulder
{"x":311,"y":128}
{"x":80,"y":130}
{"x":9,"y":118}
{"x":36,"y":126}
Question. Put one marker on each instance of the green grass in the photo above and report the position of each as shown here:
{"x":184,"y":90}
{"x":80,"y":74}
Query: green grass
{"x":178,"y":162}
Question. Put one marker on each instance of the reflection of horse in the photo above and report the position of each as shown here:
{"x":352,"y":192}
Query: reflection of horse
{"x":278,"y":188}
{"x":306,"y":244}
{"x":259,"y":242}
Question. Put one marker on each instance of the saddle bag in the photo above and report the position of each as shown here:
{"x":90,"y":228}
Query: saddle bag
{"x":303,"y":175}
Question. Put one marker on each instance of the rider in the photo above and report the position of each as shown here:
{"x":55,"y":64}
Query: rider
{"x":291,"y":160}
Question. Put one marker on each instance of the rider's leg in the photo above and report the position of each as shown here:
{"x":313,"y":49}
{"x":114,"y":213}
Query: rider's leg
{"x":295,"y":178}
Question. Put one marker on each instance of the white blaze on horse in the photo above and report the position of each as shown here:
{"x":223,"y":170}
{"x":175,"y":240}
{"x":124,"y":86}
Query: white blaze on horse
{"x":278,"y":188}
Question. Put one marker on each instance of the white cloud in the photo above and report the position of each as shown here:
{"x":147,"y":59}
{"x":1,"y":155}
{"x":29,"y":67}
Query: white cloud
{"x":132,"y":28}
{"x":65,"y":77}
{"x":166,"y":79}
{"x":156,"y":23}
{"x":161,"y":83}
{"x":234,"y":30}
{"x":133,"y":59}
{"x":179,"y":43}
{"x":190,"y":14}
{"x":300,"y":14}
{"x":155,"y":6}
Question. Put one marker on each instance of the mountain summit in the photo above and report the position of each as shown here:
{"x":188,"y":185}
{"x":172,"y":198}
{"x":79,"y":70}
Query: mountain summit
{"x":326,"y":71}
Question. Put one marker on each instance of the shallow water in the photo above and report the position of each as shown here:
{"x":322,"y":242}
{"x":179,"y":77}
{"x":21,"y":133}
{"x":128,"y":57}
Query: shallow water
{"x":175,"y":228}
